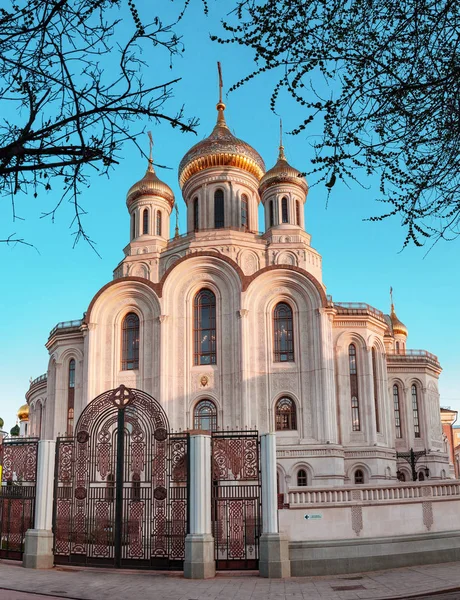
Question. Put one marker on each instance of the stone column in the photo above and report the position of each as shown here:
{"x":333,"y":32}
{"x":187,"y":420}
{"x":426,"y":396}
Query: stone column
{"x":274,"y":547}
{"x":38,"y":552}
{"x":199,"y":544}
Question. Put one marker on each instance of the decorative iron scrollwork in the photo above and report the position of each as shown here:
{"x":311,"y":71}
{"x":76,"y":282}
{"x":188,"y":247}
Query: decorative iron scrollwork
{"x":160,"y":434}
{"x":160,"y":493}
{"x":80,"y":493}
{"x":82,"y":437}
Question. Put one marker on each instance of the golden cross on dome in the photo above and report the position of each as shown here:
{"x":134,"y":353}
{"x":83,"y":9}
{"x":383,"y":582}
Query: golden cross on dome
{"x":149,"y":133}
{"x":281,"y":155}
{"x":221,"y":84}
{"x":220,"y":105}
{"x":391,"y":299}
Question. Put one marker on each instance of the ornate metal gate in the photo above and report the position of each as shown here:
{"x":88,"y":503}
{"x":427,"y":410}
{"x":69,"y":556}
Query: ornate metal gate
{"x":121,"y":486}
{"x":236,"y":510}
{"x":17,"y":494}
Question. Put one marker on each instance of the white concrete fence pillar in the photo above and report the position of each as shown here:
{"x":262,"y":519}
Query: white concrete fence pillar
{"x":199,"y":544}
{"x":38,"y":551}
{"x":274,"y":547}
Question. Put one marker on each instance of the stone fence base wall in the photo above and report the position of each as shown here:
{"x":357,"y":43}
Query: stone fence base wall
{"x":372,"y":554}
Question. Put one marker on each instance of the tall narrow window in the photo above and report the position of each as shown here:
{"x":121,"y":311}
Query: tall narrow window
{"x":284,"y":210}
{"x":301,"y":478}
{"x":71,"y":397}
{"x":355,"y":417}
{"x":196,"y":215}
{"x":133,"y":225}
{"x":205,"y":416}
{"x":205,"y":328}
{"x":297,"y":212}
{"x":376,"y":390}
{"x":130,"y":343}
{"x":397,"y":347}
{"x":158,"y":222}
{"x":219,"y":209}
{"x":244,"y":211}
{"x":145,"y":221}
{"x":285,"y":415}
{"x":283,"y":333}
{"x":271,"y":214}
{"x":397,"y":410}
{"x":415,"y":414}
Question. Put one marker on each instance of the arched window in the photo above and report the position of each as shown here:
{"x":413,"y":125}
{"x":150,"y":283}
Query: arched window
{"x":355,"y":416}
{"x":133,"y":225}
{"x":205,"y":416}
{"x":271,"y":214}
{"x":397,"y":410}
{"x":421,"y":476}
{"x":205,"y":328}
{"x":219,"y":209}
{"x":158,"y":222}
{"x":297,"y":212}
{"x":130,"y":342}
{"x":70,"y":397}
{"x":415,"y":414}
{"x":401,"y":476}
{"x":376,"y":390}
{"x":196,"y":215}
{"x":283,"y":336}
{"x":145,"y":221}
{"x":359,"y":477}
{"x":285,"y":415}
{"x":244,"y":211}
{"x":397,"y":347}
{"x":301,"y":478}
{"x":284,"y":210}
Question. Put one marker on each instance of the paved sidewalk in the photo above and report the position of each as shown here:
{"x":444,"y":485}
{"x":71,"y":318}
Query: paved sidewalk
{"x":105,"y":584}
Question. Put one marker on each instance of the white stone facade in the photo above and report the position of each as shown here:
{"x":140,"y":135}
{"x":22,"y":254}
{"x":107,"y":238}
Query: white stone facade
{"x":249,"y":273}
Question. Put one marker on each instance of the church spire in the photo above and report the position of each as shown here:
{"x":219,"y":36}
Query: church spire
{"x":150,"y":168}
{"x":220,"y":105}
{"x":281,"y":155}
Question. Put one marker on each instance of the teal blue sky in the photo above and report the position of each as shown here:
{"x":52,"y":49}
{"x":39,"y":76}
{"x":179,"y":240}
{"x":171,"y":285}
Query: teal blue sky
{"x":360,"y":259}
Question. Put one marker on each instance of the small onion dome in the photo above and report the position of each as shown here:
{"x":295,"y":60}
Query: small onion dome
{"x":220,"y":149}
{"x":23,"y":413}
{"x":2,"y":422}
{"x":398,"y":327}
{"x":282,"y":172}
{"x":150,"y":185}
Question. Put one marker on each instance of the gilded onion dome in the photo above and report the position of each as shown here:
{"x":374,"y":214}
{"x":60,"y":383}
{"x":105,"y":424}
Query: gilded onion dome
{"x":220,"y":149}
{"x":398,"y":327}
{"x":23,"y":413}
{"x":150,"y":185}
{"x":282,"y":172}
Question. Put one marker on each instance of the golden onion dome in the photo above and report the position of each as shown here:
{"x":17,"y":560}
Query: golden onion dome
{"x":398,"y":327}
{"x":220,"y":149}
{"x":150,"y":185}
{"x":23,"y":413}
{"x":282,"y":172}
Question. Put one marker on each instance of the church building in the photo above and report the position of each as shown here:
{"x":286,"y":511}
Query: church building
{"x":229,"y":327}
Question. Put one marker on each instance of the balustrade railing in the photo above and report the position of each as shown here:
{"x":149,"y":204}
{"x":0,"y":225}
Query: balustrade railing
{"x":38,"y":379}
{"x":376,"y":494}
{"x":357,"y":308}
{"x":66,"y":325}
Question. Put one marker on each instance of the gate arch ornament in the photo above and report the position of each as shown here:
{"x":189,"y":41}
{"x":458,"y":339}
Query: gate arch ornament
{"x":117,"y":500}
